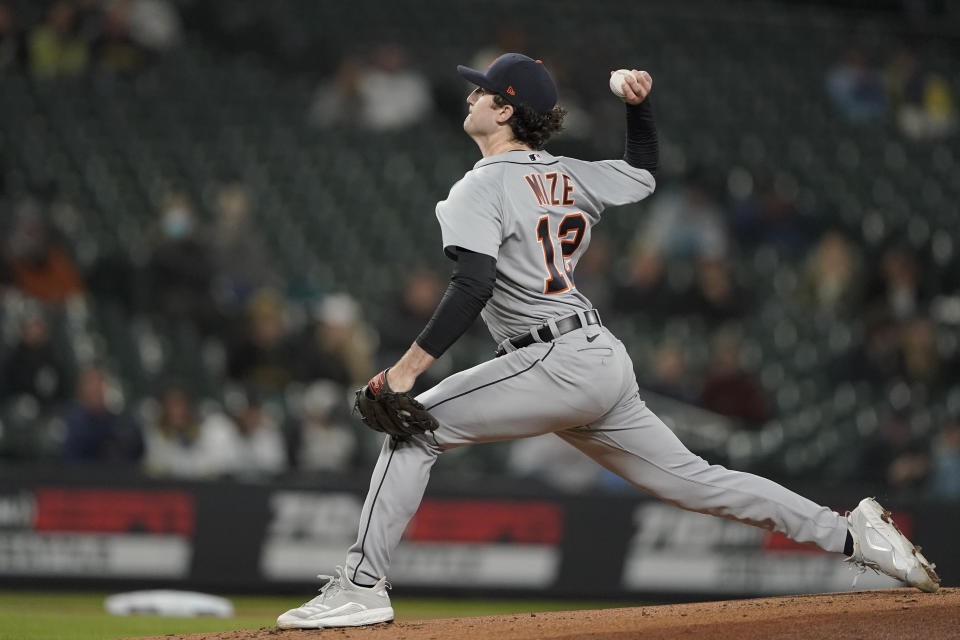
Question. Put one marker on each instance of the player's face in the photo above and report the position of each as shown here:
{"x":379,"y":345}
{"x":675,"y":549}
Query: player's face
{"x":481,"y":116}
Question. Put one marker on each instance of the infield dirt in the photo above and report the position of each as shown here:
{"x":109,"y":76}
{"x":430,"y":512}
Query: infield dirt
{"x":872,"y":615}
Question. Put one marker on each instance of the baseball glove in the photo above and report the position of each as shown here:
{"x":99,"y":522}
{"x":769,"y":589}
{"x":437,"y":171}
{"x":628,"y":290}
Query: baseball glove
{"x":388,"y":411}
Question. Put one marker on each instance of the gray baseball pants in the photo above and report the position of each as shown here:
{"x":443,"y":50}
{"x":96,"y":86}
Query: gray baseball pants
{"x":582,"y":387}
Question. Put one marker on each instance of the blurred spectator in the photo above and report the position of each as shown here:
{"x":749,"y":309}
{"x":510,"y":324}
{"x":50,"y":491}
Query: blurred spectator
{"x":55,"y":48}
{"x":945,"y":474}
{"x":714,"y":296}
{"x":342,"y":345}
{"x":856,"y":89}
{"x":95,"y":433}
{"x":13,"y":46}
{"x":339,"y":101}
{"x":671,"y":378}
{"x":257,"y":448}
{"x":182,"y":445}
{"x":897,"y":291}
{"x":924,"y":106}
{"x":728,"y":389}
{"x":154,"y":24}
{"x":35,"y":367}
{"x":685,"y":222}
{"x":265,"y":359}
{"x":326,"y":443}
{"x":894,"y":457}
{"x":38,"y":263}
{"x":763,"y":210}
{"x":356,"y":94}
{"x":830,"y":278}
{"x":114,"y":49}
{"x":645,"y":289}
{"x":670,"y":375}
{"x":409,"y":90}
{"x":411,"y":310}
{"x":241,"y":260}
{"x":179,"y":268}
{"x":920,"y":355}
{"x":909,"y":351}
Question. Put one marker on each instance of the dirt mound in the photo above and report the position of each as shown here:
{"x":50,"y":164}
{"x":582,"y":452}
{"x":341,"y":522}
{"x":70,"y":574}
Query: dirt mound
{"x":892,"y":613}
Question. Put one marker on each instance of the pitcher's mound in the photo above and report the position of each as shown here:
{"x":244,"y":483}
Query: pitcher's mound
{"x":873,"y":615}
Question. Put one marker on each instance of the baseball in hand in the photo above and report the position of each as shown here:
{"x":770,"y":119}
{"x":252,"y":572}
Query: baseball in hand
{"x":616,"y":82}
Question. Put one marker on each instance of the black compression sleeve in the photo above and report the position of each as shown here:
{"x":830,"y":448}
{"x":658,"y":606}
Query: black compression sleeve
{"x":471,"y":285}
{"x":642,"y":149}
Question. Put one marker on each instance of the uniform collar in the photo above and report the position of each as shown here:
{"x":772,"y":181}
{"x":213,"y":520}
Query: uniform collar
{"x":521,"y":156}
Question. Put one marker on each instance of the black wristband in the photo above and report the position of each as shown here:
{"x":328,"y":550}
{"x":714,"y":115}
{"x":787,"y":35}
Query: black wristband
{"x":471,"y":285}
{"x":642,"y":149}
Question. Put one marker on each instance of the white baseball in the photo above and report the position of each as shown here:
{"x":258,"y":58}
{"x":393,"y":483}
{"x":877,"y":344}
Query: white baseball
{"x":616,"y":82}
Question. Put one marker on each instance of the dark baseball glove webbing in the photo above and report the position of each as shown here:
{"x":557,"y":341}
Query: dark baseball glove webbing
{"x":393,"y":412}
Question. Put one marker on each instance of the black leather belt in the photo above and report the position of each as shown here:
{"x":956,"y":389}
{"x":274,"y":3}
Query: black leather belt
{"x":564,"y":325}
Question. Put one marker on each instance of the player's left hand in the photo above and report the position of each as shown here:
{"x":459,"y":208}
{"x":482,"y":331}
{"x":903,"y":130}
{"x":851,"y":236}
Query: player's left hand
{"x":394,"y":412}
{"x":636,"y":87}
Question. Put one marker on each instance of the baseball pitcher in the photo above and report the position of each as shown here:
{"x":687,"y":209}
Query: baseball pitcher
{"x":515,"y":227}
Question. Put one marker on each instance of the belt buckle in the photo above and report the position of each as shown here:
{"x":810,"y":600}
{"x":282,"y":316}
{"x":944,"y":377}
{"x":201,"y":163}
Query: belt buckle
{"x":587,"y":316}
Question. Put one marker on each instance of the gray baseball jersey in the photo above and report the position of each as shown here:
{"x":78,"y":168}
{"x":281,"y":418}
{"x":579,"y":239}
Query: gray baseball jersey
{"x":533,"y":212}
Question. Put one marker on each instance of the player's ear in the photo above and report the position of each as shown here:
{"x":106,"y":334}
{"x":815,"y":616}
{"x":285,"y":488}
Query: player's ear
{"x":504,"y":113}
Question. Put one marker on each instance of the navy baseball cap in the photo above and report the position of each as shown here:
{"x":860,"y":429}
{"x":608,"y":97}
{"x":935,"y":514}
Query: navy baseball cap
{"x":519,"y":79}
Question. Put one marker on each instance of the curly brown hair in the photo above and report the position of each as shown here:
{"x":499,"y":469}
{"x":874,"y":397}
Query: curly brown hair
{"x":531,"y":128}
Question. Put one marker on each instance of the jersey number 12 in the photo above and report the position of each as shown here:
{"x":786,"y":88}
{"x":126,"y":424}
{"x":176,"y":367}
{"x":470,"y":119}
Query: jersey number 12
{"x":575,"y":224}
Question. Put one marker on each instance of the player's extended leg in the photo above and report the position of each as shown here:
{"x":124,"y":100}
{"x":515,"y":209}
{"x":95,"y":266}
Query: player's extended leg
{"x":635,"y":444}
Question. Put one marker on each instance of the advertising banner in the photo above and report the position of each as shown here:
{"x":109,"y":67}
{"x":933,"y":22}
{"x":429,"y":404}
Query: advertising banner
{"x":91,"y":533}
{"x":116,"y":532}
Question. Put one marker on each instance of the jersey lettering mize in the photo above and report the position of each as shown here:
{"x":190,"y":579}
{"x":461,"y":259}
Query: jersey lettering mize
{"x":549,"y":196}
{"x":533,"y":213}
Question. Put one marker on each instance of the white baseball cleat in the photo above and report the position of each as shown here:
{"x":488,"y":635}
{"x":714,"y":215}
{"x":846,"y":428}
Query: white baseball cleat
{"x":341,"y":604}
{"x":879,"y":545}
